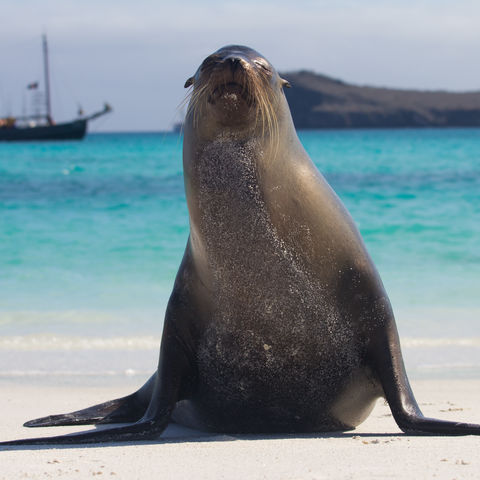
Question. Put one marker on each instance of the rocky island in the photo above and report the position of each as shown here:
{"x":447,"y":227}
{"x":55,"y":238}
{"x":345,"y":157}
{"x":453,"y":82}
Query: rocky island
{"x":317,"y":101}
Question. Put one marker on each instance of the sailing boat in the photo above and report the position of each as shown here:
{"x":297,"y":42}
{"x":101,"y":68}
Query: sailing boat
{"x":42,"y":127}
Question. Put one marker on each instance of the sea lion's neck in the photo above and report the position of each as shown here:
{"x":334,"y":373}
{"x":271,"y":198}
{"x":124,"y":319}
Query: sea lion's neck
{"x":224,"y":175}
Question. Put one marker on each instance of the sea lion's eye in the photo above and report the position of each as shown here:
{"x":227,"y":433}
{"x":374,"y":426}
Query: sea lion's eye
{"x":262,"y":65}
{"x":209,"y":61}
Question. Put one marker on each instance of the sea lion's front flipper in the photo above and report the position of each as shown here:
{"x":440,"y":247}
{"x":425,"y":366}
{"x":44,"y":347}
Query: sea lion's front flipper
{"x":388,"y":362}
{"x":121,"y":410}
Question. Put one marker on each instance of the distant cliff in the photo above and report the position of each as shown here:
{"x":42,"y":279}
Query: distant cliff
{"x":317,"y":101}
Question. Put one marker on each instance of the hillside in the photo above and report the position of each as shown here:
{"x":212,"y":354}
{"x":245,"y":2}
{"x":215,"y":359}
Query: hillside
{"x":318,"y":101}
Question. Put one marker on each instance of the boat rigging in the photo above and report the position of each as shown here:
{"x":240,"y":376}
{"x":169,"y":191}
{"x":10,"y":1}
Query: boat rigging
{"x":42,"y":126}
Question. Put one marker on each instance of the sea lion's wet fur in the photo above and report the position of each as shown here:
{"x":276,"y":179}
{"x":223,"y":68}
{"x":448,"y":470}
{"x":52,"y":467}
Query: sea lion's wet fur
{"x":258,"y":336}
{"x":278,"y":320}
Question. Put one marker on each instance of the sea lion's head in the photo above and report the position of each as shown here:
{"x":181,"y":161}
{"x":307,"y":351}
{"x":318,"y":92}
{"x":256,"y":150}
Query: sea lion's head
{"x":236,"y":91}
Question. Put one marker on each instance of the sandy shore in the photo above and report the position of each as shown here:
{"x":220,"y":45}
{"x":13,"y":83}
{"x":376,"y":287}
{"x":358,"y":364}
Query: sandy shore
{"x":377,"y":449}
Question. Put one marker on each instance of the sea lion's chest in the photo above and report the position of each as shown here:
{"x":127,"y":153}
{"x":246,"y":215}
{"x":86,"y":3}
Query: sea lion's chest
{"x":248,"y":263}
{"x":270,"y":315}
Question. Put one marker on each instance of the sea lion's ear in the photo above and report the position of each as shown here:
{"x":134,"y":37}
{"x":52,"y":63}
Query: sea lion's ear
{"x":285,"y":83}
{"x":188,"y":83}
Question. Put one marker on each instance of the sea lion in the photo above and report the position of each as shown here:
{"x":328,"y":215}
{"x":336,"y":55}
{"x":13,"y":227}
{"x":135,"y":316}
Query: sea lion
{"x":278,"y":320}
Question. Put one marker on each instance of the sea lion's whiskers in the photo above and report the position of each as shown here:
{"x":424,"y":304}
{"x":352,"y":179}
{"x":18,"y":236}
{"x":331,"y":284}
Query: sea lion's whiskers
{"x":255,"y":93}
{"x":262,"y":110}
{"x":194,"y":96}
{"x":245,"y":92}
{"x":265,"y":112}
{"x":197,"y":102}
{"x":184,"y":102}
{"x":182,"y":105}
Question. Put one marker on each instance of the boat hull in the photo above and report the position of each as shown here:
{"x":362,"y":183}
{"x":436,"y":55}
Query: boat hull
{"x":75,"y":130}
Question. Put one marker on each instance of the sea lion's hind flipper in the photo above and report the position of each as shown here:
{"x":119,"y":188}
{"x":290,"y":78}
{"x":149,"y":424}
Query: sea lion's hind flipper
{"x":120,"y":410}
{"x":173,"y":377}
{"x":142,"y":430}
{"x":388,"y":362}
{"x":127,"y":409}
{"x":155,"y":418}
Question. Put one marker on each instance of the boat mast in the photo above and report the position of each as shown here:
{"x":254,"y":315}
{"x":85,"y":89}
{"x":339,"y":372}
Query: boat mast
{"x":47,"y":80}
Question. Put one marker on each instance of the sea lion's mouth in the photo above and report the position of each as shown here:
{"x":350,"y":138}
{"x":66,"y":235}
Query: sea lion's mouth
{"x":229,"y":91}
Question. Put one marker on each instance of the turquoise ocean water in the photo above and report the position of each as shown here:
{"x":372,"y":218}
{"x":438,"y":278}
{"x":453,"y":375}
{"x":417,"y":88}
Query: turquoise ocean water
{"x":92,"y":233}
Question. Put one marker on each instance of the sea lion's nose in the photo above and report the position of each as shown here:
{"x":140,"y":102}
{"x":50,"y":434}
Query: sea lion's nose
{"x":234,"y":61}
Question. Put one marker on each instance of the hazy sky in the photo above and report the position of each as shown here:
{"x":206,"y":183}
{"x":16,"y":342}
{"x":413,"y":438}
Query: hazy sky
{"x":138,"y":54}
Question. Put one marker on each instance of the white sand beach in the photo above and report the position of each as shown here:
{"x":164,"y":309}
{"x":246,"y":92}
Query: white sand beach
{"x":377,"y":449}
